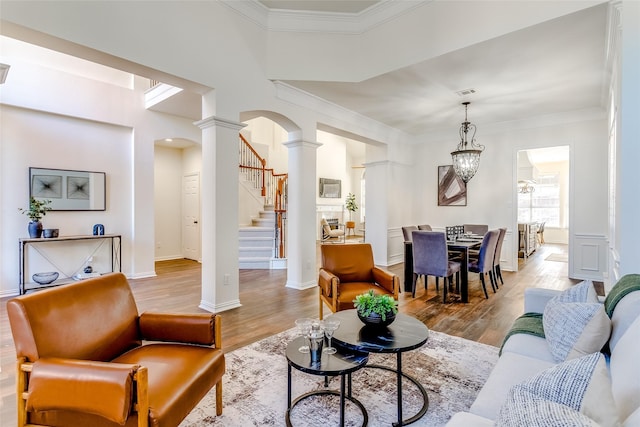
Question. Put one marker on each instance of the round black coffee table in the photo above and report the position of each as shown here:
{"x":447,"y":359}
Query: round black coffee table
{"x":342,"y":363}
{"x":404,"y":334}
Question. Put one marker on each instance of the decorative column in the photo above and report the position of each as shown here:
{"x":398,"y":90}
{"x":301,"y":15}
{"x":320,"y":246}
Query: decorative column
{"x":376,"y":223}
{"x":219,"y":214}
{"x":301,"y":215}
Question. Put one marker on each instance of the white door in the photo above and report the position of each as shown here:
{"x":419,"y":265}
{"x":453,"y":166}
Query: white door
{"x":191,"y":216}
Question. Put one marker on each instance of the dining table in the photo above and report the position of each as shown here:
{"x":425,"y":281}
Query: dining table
{"x":462,"y":246}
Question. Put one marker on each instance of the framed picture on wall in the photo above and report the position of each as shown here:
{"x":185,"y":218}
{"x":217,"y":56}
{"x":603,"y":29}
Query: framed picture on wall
{"x":69,"y":190}
{"x":330,"y":188}
{"x":452,"y":190}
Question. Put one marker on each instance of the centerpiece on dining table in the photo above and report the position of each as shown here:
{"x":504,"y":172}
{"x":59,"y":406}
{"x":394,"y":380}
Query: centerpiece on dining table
{"x":376,"y":310}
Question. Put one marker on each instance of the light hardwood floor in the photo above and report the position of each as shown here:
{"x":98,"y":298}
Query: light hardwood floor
{"x":268,"y":307}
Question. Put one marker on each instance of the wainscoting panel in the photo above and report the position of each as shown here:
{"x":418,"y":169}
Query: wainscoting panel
{"x":509,"y":256}
{"x":589,"y":258}
{"x":395,"y":246}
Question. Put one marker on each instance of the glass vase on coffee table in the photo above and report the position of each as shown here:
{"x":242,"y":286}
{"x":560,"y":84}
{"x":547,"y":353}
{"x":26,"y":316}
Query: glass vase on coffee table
{"x":304,"y":327}
{"x":330,"y":325}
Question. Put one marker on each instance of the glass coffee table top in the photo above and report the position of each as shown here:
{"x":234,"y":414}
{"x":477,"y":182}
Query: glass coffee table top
{"x":404,"y":334}
{"x":330,"y":364}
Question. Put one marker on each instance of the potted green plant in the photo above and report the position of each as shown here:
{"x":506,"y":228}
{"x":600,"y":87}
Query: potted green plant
{"x":37,"y":209}
{"x":350,"y":204}
{"x":376,"y":310}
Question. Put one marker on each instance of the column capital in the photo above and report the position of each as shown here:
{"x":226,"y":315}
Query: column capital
{"x":300,"y":143}
{"x":212,"y":121}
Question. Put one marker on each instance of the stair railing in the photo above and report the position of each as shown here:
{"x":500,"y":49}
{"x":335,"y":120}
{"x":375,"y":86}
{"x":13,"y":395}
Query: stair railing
{"x":273,"y":187}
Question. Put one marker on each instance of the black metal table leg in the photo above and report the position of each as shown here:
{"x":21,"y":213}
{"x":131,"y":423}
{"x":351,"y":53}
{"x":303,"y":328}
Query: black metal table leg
{"x":342,"y":400}
{"x":288,"y":386}
{"x":399,"y":381}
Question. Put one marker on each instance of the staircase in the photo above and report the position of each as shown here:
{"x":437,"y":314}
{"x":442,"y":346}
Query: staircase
{"x":261,"y":245}
{"x":256,"y":242}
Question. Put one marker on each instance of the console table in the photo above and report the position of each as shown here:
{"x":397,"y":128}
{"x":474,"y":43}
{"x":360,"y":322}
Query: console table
{"x":115,"y":241}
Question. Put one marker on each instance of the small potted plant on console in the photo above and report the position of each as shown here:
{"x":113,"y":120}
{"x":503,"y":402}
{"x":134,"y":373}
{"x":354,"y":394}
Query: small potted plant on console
{"x":37,"y":209}
{"x":376,"y":310}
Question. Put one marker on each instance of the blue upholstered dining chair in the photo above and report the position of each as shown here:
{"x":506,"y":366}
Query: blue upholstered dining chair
{"x":483,"y":264}
{"x":431,"y":258}
{"x":497,"y":274}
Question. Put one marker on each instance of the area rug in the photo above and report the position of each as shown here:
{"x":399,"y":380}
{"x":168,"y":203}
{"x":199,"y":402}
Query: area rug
{"x":559,"y":257}
{"x":451,"y":369}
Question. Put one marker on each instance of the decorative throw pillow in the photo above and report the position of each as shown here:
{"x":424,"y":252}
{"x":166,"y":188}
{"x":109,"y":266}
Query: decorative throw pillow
{"x":525,"y":409}
{"x":582,"y":384}
{"x":581,"y":292}
{"x":575,"y":323}
{"x":574,"y":329}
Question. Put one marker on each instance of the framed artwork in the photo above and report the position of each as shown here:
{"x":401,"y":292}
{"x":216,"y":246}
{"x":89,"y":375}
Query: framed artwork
{"x":330,"y":188}
{"x":69,"y":190}
{"x":452,"y":190}
{"x":46,"y":186}
{"x":78,"y":187}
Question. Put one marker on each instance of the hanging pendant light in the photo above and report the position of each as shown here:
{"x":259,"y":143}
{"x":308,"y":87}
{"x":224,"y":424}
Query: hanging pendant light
{"x":466,"y":158}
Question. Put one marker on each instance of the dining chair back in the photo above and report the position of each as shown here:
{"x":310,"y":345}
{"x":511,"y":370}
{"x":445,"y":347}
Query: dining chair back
{"x":425,"y":227}
{"x":431,"y":258}
{"x":479,"y":229}
{"x":497,"y":274}
{"x":484,"y":263}
{"x":407,"y":230}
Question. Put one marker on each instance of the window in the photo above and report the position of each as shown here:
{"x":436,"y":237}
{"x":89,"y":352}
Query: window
{"x":543,"y":204}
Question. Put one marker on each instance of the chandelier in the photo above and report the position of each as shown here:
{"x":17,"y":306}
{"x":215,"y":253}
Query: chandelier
{"x":466,"y":158}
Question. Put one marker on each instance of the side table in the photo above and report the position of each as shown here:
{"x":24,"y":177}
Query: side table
{"x":342,"y":363}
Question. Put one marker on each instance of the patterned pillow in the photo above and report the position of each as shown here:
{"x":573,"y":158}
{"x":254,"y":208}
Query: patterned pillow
{"x":525,"y":409}
{"x":574,"y":329}
{"x":581,"y":292}
{"x":582,"y":384}
{"x":575,"y":323}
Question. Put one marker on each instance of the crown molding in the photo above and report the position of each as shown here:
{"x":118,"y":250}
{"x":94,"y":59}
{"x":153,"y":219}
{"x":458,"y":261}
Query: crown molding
{"x":322,"y":22}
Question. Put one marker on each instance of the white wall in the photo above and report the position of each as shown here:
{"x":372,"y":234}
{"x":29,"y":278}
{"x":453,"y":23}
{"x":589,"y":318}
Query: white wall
{"x":168,"y":202}
{"x":32,"y":138}
{"x":102,"y":127}
{"x":491,"y":194}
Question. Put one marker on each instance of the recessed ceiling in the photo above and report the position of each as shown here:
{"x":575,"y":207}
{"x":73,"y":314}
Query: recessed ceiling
{"x":548,"y":69}
{"x":332,"y":6}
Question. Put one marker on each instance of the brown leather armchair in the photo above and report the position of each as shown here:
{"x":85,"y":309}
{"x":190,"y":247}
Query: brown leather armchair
{"x":348,"y":271}
{"x":82,"y":360}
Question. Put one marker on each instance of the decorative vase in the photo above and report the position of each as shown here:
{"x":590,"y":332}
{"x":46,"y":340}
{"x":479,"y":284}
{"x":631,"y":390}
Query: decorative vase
{"x":35,"y":229}
{"x":375,"y":320}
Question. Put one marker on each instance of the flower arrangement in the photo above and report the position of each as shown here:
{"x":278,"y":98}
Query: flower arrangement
{"x":37,"y":209}
{"x":369,"y":303}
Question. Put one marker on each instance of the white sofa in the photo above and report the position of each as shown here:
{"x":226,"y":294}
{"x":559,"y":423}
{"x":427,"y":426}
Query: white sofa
{"x":524,"y":356}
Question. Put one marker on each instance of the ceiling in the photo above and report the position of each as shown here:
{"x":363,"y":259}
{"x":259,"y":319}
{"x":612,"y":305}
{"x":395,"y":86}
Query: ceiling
{"x":332,"y":6}
{"x":550,"y":69}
